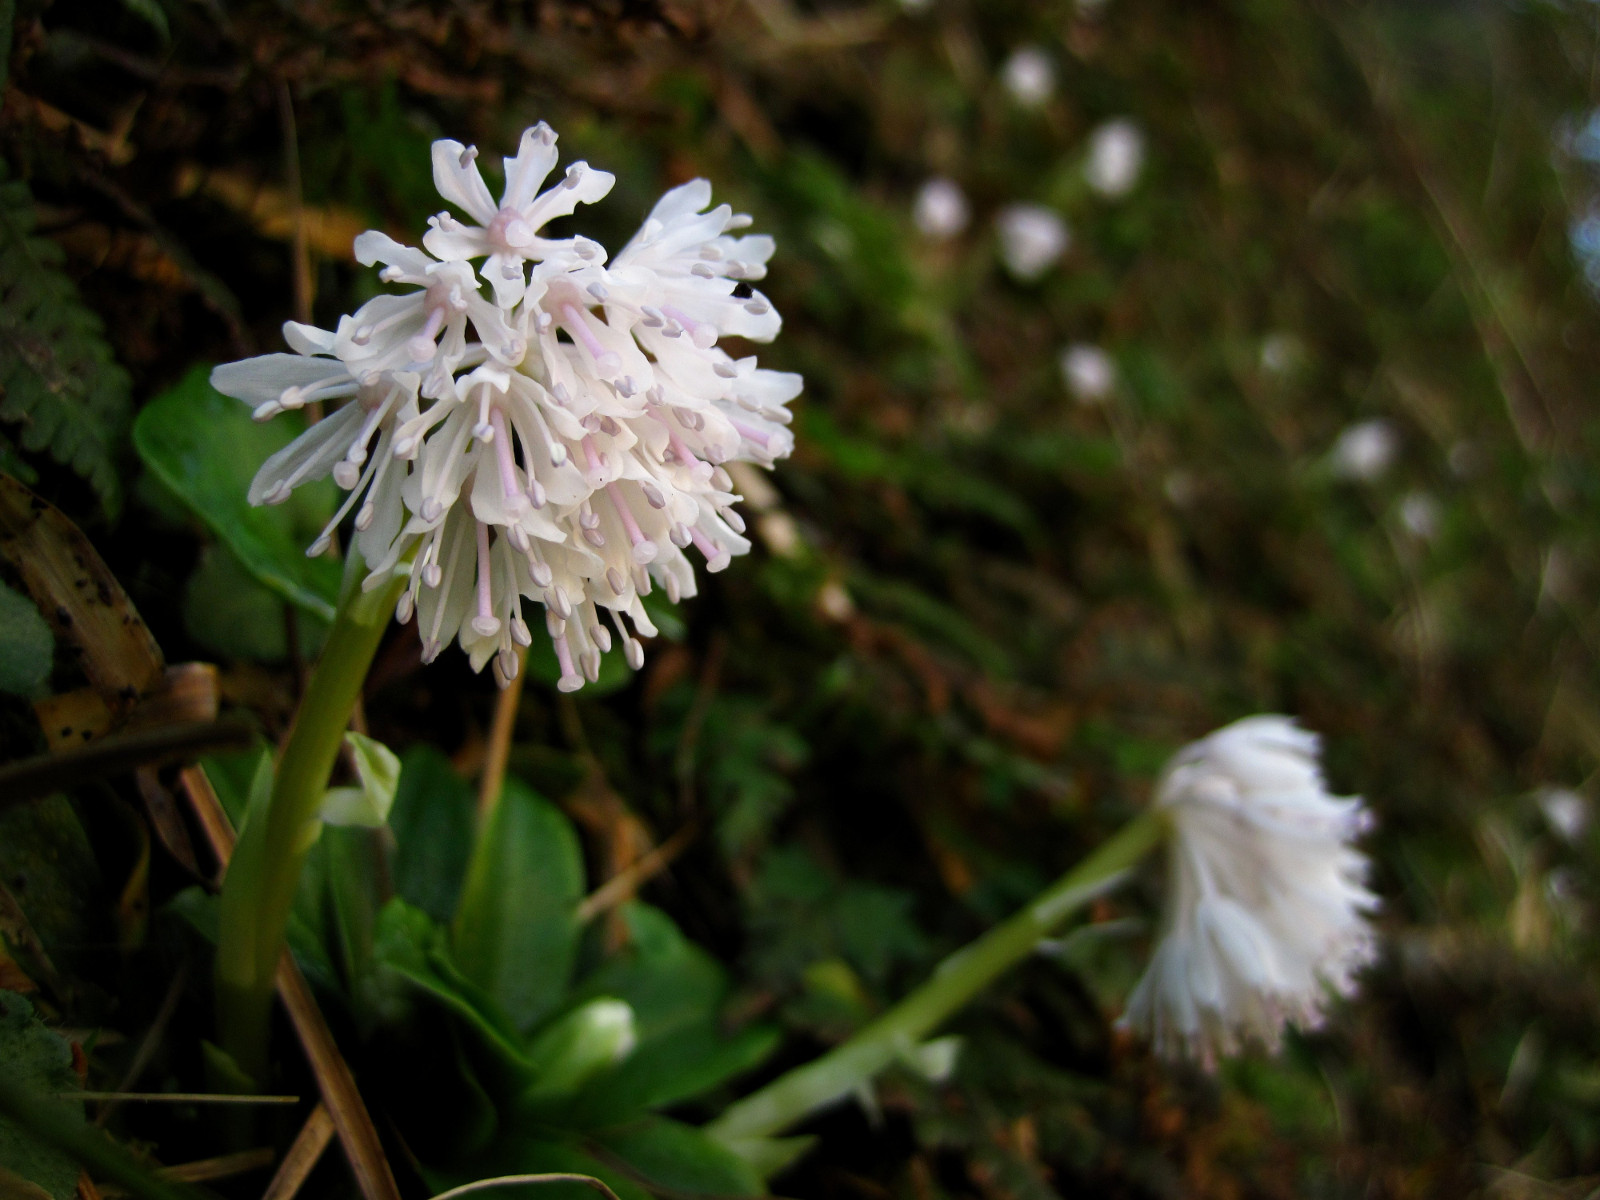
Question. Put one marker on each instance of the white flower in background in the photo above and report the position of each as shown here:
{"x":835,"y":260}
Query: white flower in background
{"x":1365,"y":450}
{"x":1088,"y":373}
{"x":1422,"y":515}
{"x":1566,"y":810}
{"x":915,"y":6}
{"x":941,"y":209}
{"x":1267,"y":910}
{"x":1116,"y":156}
{"x":559,"y":437}
{"x":1032,"y":238}
{"x":1029,"y":76}
{"x":1280,"y":353}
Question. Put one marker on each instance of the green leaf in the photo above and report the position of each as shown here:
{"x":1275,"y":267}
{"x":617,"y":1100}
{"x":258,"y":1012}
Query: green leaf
{"x":205,"y":448}
{"x":432,"y":822}
{"x":676,"y":990}
{"x":26,"y":646}
{"x":666,"y":979}
{"x":378,"y":769}
{"x":59,"y":379}
{"x":572,"y":1049}
{"x":516,"y":929}
{"x":675,"y":1157}
{"x":229,"y":612}
{"x":40,"y":1061}
{"x":150,"y":12}
{"x":669,"y":1070}
{"x":410,"y":956}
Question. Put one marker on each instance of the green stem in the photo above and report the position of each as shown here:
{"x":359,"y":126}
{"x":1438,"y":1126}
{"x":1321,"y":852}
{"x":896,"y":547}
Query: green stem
{"x":259,"y":887}
{"x":954,"y":982}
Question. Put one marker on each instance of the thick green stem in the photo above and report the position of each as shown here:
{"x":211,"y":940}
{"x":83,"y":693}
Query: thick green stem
{"x":259,"y":887}
{"x":954,"y":982}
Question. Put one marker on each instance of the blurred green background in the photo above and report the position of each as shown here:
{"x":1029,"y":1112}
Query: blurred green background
{"x":1343,"y":467}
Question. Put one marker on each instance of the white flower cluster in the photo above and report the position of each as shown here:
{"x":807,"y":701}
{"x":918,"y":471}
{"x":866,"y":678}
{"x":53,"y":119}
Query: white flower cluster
{"x":528,"y":419}
{"x":1266,"y":908}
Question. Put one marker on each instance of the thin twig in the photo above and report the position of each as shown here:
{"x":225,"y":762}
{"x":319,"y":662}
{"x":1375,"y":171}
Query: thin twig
{"x":224,"y":1166}
{"x":119,"y":752}
{"x":147,"y":1047}
{"x":304,"y":1153}
{"x":357,"y":1134}
{"x":176,"y":1098}
{"x":630,"y":879}
{"x":688,"y":742}
{"x":481,"y":1185}
{"x":301,"y":251}
{"x":494,"y":760}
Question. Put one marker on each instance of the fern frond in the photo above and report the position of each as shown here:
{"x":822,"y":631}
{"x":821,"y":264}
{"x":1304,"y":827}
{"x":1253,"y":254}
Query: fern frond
{"x":58,"y":378}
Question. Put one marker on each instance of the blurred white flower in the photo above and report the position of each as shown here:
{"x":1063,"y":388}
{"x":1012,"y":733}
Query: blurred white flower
{"x":1088,"y":372}
{"x":1267,"y":909}
{"x":941,"y":209}
{"x":1422,"y":515}
{"x":1029,"y":76}
{"x":1032,"y":238}
{"x":1565,"y":810}
{"x":915,"y":6}
{"x":1365,"y":450}
{"x":1116,"y":156}
{"x":561,"y":438}
{"x":1280,"y":353}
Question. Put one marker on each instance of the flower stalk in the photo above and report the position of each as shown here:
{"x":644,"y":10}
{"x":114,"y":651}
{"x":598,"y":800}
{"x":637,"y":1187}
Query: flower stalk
{"x":259,"y":887}
{"x":955,"y":981}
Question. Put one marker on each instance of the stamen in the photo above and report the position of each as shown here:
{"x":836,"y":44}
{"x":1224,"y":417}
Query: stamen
{"x":644,"y":550}
{"x":570,"y":680}
{"x":702,"y":334}
{"x":605,"y":360}
{"x":485,"y":623}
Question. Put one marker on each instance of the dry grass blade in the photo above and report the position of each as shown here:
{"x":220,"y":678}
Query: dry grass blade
{"x":304,"y":1154}
{"x":119,"y":752}
{"x":505,"y":720}
{"x":224,"y":1166}
{"x":346,"y":1109}
{"x":483,"y":1185}
{"x":622,"y":886}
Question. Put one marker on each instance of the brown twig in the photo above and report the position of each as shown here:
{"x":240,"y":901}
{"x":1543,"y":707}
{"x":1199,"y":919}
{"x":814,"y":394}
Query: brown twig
{"x":688,"y":743}
{"x":346,"y":1108}
{"x":147,"y":1047}
{"x":221,"y":1167}
{"x":119,"y":752}
{"x":304,"y":1153}
{"x":499,"y":748}
{"x":625,"y":883}
{"x":301,"y":250}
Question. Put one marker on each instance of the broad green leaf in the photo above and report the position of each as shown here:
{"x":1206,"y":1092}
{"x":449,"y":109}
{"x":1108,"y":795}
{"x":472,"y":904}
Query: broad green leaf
{"x":350,"y":860}
{"x":769,"y":1155}
{"x":676,"y":990}
{"x":378,"y":769}
{"x":576,"y":1046}
{"x":231,"y":613}
{"x":674,"y":1157}
{"x":516,"y":928}
{"x":40,"y":1060}
{"x":670,"y":1069}
{"x":667,"y":980}
{"x":432,"y":822}
{"x":26,"y":646}
{"x":205,"y":448}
